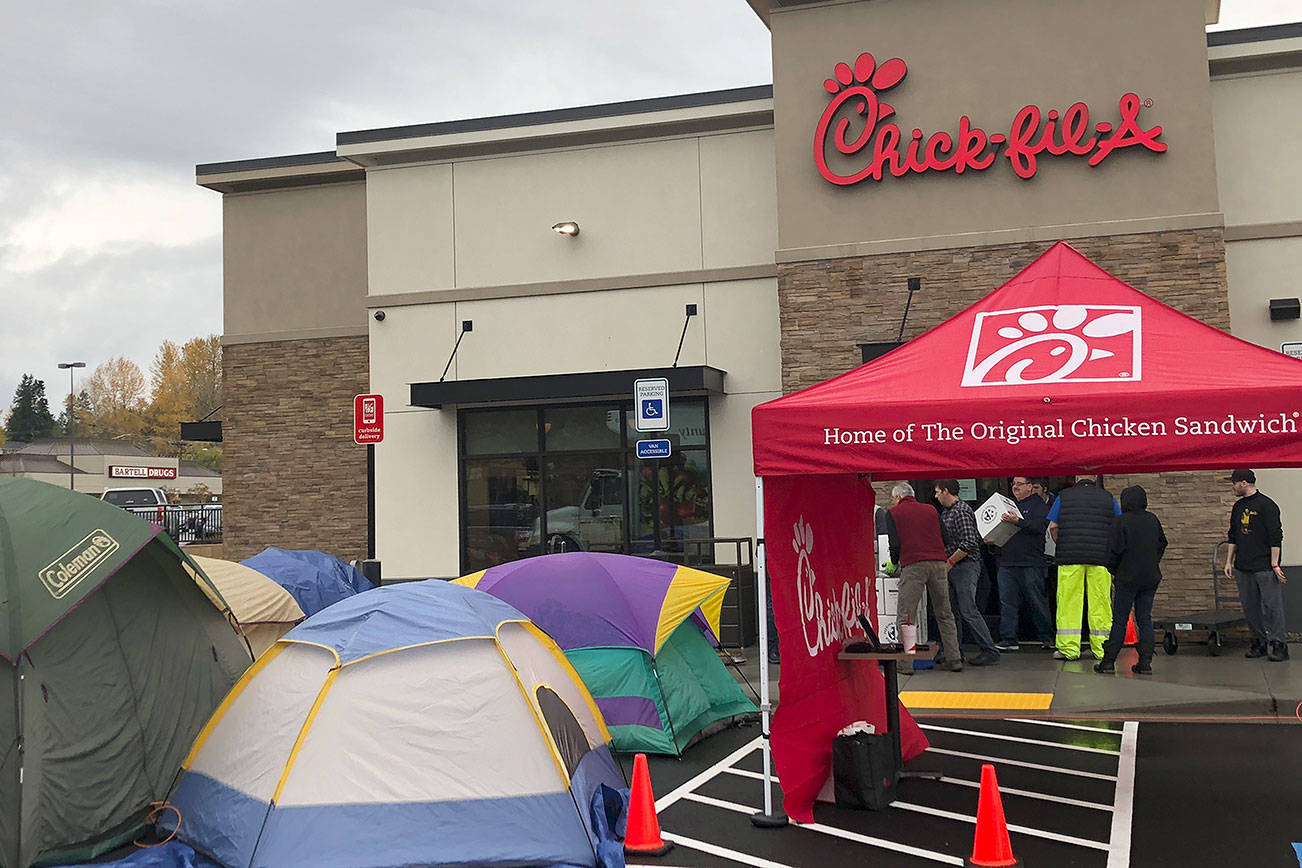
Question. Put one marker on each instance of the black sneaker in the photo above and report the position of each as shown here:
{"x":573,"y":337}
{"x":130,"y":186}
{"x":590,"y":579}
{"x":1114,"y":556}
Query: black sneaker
{"x":1278,"y":652}
{"x":1256,"y":649}
{"x":1105,"y":667}
{"x":1142,"y":669}
{"x":985,"y":658}
{"x":1003,"y":645}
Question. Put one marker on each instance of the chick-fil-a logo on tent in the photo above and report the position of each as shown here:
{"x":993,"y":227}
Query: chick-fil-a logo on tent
{"x":1055,"y":343}
{"x":823,"y":619}
{"x":857,"y":104}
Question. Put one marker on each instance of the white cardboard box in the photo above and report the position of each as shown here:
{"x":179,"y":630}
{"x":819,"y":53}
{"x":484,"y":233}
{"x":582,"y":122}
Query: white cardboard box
{"x":990,"y":524}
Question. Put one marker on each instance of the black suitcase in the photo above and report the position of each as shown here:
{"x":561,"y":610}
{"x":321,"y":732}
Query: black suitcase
{"x":864,"y":771}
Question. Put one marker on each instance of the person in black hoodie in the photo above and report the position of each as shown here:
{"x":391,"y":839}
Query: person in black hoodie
{"x":1136,"y":547}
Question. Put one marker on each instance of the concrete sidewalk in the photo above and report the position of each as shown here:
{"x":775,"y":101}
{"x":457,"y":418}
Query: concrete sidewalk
{"x":1189,"y":684}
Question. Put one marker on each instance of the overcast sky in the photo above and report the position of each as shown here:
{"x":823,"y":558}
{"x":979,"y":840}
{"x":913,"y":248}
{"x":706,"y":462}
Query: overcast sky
{"x":107,"y":247}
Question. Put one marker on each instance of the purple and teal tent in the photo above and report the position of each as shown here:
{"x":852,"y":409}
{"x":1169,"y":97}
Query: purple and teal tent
{"x":642,"y":635}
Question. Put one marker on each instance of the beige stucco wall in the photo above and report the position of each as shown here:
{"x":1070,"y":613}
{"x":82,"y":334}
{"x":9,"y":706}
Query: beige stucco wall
{"x":1258,"y":121}
{"x":963,"y":59}
{"x":294,"y":262}
{"x":416,"y":467}
{"x":655,"y":207}
{"x":479,"y":232}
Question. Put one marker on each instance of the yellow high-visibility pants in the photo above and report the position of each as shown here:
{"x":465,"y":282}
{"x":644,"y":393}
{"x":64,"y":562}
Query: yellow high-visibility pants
{"x":1080,"y":584}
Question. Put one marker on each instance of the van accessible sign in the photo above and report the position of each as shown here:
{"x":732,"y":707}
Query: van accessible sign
{"x":368,"y":419}
{"x":119,"y":471}
{"x":857,"y":105}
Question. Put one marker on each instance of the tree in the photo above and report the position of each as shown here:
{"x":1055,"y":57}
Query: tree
{"x":81,"y":416}
{"x":117,"y":398}
{"x":29,"y":415}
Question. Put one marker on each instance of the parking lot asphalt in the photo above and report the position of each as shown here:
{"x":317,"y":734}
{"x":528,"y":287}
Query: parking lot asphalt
{"x":1075,"y":793}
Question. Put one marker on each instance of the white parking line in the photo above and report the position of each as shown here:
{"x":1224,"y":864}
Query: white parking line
{"x":1021,"y":830}
{"x":710,"y":773}
{"x":1123,"y":805}
{"x":893,"y":846}
{"x":758,"y":776}
{"x":1001,"y":737}
{"x":1061,"y":725}
{"x":722,"y":852}
{"x":985,"y":758}
{"x":1045,"y":797}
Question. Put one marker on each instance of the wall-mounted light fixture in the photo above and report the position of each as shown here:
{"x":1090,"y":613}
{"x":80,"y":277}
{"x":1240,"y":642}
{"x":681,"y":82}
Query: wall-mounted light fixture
{"x":1285,"y":308}
{"x":566,"y":227}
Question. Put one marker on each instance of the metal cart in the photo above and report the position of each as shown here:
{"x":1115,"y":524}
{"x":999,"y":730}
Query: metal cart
{"x":1212,"y":620}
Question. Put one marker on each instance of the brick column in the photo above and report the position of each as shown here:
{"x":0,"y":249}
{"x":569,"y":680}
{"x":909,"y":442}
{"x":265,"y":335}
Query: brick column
{"x":291,"y":475}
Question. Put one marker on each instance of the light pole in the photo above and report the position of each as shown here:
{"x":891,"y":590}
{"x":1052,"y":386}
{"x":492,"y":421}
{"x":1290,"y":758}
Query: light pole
{"x":72,"y":410}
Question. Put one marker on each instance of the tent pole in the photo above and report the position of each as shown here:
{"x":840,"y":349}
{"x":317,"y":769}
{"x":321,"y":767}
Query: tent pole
{"x":765,"y":818}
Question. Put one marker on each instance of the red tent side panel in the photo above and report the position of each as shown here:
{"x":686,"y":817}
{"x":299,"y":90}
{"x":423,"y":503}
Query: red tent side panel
{"x":819,"y":545}
{"x":1064,"y":368}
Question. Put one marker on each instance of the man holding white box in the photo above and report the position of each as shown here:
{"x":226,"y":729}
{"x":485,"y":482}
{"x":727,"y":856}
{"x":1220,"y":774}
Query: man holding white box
{"x":1022,"y":568}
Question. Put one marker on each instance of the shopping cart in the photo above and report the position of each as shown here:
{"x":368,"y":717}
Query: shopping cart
{"x":1213,"y":620}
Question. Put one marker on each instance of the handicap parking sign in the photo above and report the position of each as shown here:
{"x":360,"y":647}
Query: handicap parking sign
{"x":651,"y":402}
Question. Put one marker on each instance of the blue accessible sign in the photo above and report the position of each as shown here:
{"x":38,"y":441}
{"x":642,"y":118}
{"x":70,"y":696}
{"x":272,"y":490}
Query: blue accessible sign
{"x":654,"y":449}
{"x":651,"y":404}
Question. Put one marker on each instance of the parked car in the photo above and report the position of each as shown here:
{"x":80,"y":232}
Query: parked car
{"x":183,"y":522}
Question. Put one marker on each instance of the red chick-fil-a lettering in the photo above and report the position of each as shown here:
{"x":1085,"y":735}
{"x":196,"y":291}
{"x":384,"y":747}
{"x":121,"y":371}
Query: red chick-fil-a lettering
{"x":857,"y":105}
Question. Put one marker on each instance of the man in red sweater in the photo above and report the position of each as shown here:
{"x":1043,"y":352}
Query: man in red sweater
{"x":918,"y":547}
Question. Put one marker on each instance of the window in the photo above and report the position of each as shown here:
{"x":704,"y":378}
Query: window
{"x":567,"y":478}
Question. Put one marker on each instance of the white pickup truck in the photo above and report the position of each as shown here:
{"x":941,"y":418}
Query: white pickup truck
{"x":183,"y":522}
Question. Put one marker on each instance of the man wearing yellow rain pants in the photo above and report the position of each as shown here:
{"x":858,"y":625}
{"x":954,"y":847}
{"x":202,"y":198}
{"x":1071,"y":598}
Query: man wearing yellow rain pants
{"x":1080,"y":522}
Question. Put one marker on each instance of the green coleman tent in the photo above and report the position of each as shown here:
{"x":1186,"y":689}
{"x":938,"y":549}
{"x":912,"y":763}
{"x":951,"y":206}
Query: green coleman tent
{"x":113,"y":658}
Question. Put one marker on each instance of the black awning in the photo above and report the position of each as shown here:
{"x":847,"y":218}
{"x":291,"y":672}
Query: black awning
{"x":202,"y":432}
{"x":690,"y":380}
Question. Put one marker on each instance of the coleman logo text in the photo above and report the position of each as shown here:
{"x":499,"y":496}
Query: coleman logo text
{"x":78,"y":562}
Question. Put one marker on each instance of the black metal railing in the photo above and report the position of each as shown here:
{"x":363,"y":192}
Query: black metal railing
{"x":185,"y":522}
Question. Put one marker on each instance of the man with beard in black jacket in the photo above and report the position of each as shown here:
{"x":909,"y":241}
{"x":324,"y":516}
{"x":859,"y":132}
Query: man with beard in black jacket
{"x":1136,"y":546}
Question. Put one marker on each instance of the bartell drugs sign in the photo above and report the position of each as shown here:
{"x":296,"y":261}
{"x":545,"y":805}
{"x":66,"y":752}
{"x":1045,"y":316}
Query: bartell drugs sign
{"x":120,"y":471}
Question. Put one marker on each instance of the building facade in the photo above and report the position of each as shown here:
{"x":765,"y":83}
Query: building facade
{"x":741,"y":244}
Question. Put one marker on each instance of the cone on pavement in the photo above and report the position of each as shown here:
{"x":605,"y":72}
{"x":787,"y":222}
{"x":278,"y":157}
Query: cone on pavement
{"x":643,"y":832}
{"x":1132,"y":635}
{"x":991,"y":847}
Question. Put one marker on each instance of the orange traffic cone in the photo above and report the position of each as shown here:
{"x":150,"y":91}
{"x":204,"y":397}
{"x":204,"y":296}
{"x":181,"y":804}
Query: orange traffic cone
{"x":643,"y":834}
{"x":991,"y":846}
{"x":1132,"y":635}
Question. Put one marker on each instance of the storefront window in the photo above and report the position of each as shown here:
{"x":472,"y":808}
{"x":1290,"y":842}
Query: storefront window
{"x":500,"y":509}
{"x":567,"y":478}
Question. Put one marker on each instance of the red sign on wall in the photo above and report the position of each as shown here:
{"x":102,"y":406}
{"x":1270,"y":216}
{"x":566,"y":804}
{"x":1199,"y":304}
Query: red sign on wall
{"x":854,"y":123}
{"x":368,"y":419}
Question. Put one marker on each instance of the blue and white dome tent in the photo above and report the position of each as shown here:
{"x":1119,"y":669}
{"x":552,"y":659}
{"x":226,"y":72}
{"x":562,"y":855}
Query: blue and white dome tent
{"x":421,"y":723}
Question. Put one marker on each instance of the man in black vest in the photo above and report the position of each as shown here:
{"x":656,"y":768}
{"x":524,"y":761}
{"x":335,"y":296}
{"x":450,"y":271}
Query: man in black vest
{"x":1080,"y":522}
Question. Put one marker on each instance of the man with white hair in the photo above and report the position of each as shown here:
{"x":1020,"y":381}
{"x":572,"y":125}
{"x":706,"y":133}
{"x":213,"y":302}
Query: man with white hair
{"x":919,"y":548}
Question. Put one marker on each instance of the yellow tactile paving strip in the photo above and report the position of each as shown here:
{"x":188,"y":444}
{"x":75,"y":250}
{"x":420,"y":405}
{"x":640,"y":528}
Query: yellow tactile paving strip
{"x":957,"y":699}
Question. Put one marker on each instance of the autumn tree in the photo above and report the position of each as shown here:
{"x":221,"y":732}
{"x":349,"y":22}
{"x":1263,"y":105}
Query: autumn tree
{"x":29,"y":415}
{"x":186,"y":387}
{"x":116,"y":391}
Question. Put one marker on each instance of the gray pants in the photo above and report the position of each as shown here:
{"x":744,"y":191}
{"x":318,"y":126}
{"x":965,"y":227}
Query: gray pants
{"x":1262,"y":595}
{"x":963,"y":578}
{"x":931,"y":576}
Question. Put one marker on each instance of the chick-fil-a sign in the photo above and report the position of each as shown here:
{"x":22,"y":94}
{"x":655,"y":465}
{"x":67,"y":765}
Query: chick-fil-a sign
{"x":856,"y":104}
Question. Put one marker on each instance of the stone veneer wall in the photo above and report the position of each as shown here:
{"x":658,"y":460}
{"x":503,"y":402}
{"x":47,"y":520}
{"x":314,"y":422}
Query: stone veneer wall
{"x":292,"y":476}
{"x":830,"y":306}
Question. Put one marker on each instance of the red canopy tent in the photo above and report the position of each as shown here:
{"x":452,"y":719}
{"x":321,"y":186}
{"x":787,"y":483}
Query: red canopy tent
{"x":1063,"y":369}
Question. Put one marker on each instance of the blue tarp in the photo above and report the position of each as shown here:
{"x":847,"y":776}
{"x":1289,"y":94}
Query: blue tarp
{"x":173,"y":854}
{"x":314,"y":579}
